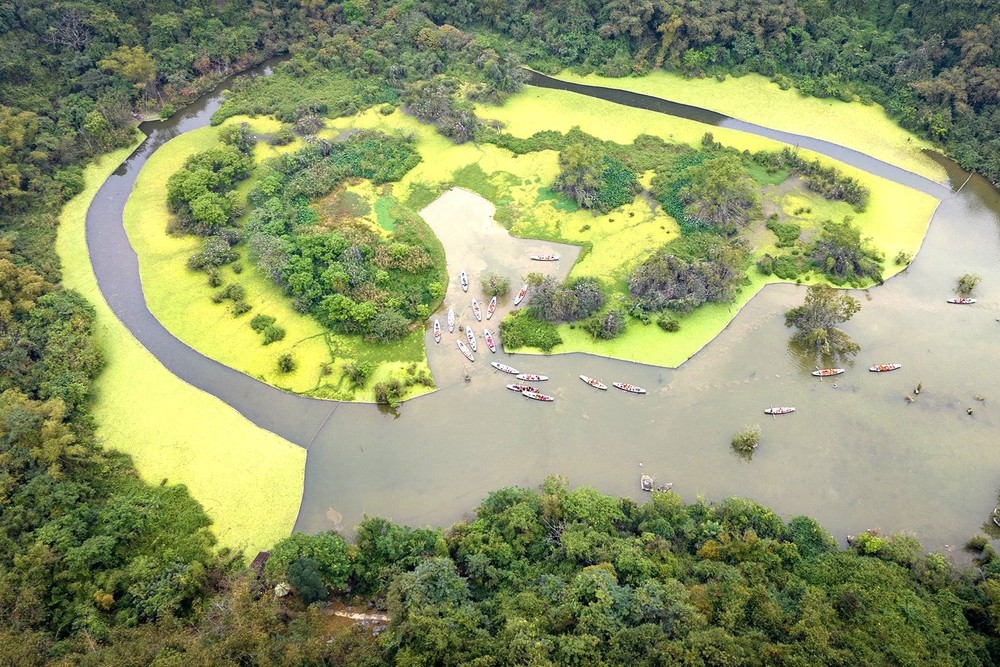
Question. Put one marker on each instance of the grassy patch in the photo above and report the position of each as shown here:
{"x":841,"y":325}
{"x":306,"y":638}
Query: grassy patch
{"x":248,"y":480}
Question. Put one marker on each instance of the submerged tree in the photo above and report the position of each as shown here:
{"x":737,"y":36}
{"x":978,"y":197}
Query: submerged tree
{"x":967,"y":283}
{"x":817,"y":318}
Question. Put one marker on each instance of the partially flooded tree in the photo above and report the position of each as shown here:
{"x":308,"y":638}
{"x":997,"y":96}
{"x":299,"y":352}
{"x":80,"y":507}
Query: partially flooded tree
{"x":967,"y":283}
{"x":817,"y":318}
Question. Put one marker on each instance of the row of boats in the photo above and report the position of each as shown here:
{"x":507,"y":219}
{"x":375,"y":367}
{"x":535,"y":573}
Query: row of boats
{"x":532,"y":392}
{"x":828,"y":372}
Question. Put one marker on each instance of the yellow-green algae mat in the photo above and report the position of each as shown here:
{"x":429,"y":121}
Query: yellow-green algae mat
{"x":248,"y":480}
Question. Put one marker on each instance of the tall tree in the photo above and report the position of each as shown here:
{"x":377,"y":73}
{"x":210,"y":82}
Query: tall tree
{"x":817,"y":318}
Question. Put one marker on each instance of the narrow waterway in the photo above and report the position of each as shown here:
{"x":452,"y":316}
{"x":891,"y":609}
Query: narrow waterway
{"x":855,"y":455}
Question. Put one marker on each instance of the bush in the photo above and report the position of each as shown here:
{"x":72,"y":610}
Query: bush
{"x":241,"y":308}
{"x":234,"y":292}
{"x":358,"y":373}
{"x":746,"y":441}
{"x":389,"y":392}
{"x":261,"y":322}
{"x":787,"y":233}
{"x":967,"y":283}
{"x":282,"y":137}
{"x":166,"y":111}
{"x":521,"y":329}
{"x":304,"y":575}
{"x":607,"y":325}
{"x":495,"y":284}
{"x":286,"y":363}
{"x":273,"y":333}
{"x":215,"y":280}
{"x":668,"y":324}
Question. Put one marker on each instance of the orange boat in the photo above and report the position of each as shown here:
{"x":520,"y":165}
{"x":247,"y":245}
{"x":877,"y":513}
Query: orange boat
{"x":884,"y":368}
{"x":490,"y":308}
{"x":521,"y":293}
{"x":625,"y":386}
{"x":827,"y":372}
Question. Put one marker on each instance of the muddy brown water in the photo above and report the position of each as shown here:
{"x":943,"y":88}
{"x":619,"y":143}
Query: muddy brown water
{"x":855,"y":454}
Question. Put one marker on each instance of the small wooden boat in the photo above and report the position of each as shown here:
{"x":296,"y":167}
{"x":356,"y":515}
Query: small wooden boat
{"x":521,"y":293}
{"x":545,"y":258}
{"x":625,"y":386}
{"x":646,"y":483}
{"x":531,"y":377}
{"x":464,"y":279}
{"x":476,"y":311}
{"x":437,"y":331}
{"x":597,"y":384}
{"x":537,"y":396}
{"x":784,"y":410}
{"x":884,"y":368}
{"x":504,"y":368}
{"x":471,"y":335}
{"x":465,"y":350}
{"x":491,"y":308}
{"x":521,"y":387}
{"x":490,"y":343}
{"x":827,"y":372}
{"x":451,"y":320}
{"x":962,"y":300}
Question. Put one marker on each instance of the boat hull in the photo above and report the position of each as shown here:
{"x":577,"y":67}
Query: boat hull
{"x":827,"y":372}
{"x":465,"y":350}
{"x":779,"y":411}
{"x":631,"y":388}
{"x":596,"y":384}
{"x":535,"y":396}
{"x":521,"y":293}
{"x":504,"y":368}
{"x":531,"y":377}
{"x":884,"y":368}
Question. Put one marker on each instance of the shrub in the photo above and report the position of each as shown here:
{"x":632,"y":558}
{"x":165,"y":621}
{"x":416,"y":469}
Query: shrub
{"x":261,"y":322}
{"x":237,"y":268}
{"x":903,"y":258}
{"x":668,"y":323}
{"x":495,"y":284}
{"x":234,"y":292}
{"x":286,"y":363}
{"x":746,"y":441}
{"x":273,"y":333}
{"x":166,"y":111}
{"x":521,"y":329}
{"x":389,"y":392}
{"x":282,"y":137}
{"x":787,"y":233}
{"x":607,"y":325}
{"x":358,"y":373}
{"x":241,"y":308}
{"x":967,"y":283}
{"x":215,"y":280}
{"x":304,"y":575}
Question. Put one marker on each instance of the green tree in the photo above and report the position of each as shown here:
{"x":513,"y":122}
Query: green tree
{"x":720,"y":194}
{"x":844,"y":256}
{"x":817,"y":318}
{"x":132,"y":63}
{"x":580,"y":174}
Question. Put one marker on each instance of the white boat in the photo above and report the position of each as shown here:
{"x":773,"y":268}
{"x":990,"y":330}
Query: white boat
{"x":451,"y":320}
{"x":783,"y":410}
{"x":521,"y":293}
{"x":465,"y":350}
{"x":884,"y":368}
{"x":596,"y":384}
{"x":545,"y":258}
{"x":521,"y":387}
{"x":827,"y":372}
{"x":471,"y":335}
{"x":504,"y":368}
{"x":490,"y":343}
{"x":625,"y":386}
{"x":476,"y":311}
{"x":490,"y":308}
{"x":464,"y":279}
{"x":437,"y":331}
{"x":962,"y":300}
{"x":534,"y":395}
{"x":531,"y":377}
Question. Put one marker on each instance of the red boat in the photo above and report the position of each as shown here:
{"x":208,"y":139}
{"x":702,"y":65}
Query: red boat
{"x":884,"y":368}
{"x":537,"y":396}
{"x":625,"y":386}
{"x":490,"y":308}
{"x":521,"y":293}
{"x":437,"y":331}
{"x":490,"y":343}
{"x":778,"y":411}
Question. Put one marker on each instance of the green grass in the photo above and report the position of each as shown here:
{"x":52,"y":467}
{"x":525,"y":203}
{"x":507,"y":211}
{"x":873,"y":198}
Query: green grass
{"x":248,"y":480}
{"x":181,"y":298}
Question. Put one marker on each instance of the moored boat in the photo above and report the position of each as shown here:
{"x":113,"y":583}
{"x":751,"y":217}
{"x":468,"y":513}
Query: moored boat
{"x":476,"y":311}
{"x":503,"y":368}
{"x":884,"y":368}
{"x":962,"y":300}
{"x":782,"y":410}
{"x":537,"y":396}
{"x":471,"y":335}
{"x":531,"y":377}
{"x":545,"y":258}
{"x":465,"y":350}
{"x":490,"y":343}
{"x":646,"y":483}
{"x":827,"y":372}
{"x":491,"y":308}
{"x":437,"y":331}
{"x":625,"y":386}
{"x":521,"y":293}
{"x":597,"y":384}
{"x":464,"y":279}
{"x":521,"y":387}
{"x":451,"y":320}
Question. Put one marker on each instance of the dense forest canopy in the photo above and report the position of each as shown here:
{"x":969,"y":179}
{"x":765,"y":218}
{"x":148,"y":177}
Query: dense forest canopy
{"x":99,"y":567}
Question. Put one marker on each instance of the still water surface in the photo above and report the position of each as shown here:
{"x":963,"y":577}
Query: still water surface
{"x":855,"y":455}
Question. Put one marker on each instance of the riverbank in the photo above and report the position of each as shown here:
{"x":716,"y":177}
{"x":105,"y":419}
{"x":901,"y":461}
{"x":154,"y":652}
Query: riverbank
{"x":248,"y":480}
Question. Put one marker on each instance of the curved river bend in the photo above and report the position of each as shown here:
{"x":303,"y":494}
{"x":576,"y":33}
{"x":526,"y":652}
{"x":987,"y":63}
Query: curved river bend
{"x":855,"y":455}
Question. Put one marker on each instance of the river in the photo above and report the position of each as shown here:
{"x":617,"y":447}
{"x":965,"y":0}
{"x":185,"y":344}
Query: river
{"x":855,"y":455}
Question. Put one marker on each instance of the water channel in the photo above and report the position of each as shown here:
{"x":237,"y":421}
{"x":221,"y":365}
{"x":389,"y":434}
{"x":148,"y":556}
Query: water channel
{"x":855,"y":455}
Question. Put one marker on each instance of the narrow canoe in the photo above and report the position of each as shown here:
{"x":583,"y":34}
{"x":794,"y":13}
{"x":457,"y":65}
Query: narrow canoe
{"x":597,"y":384}
{"x":504,"y":368}
{"x":521,"y":387}
{"x":464,"y":279}
{"x":545,"y":258}
{"x":471,"y":335}
{"x":490,"y":343}
{"x":625,"y":386}
{"x":465,"y":350}
{"x":437,"y":331}
{"x":451,"y":320}
{"x":884,"y":368}
{"x":827,"y":372}
{"x":537,"y":396}
{"x":531,"y":377}
{"x":962,"y":300}
{"x":778,"y":411}
{"x":491,"y":308}
{"x":521,"y":293}
{"x":476,"y":311}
